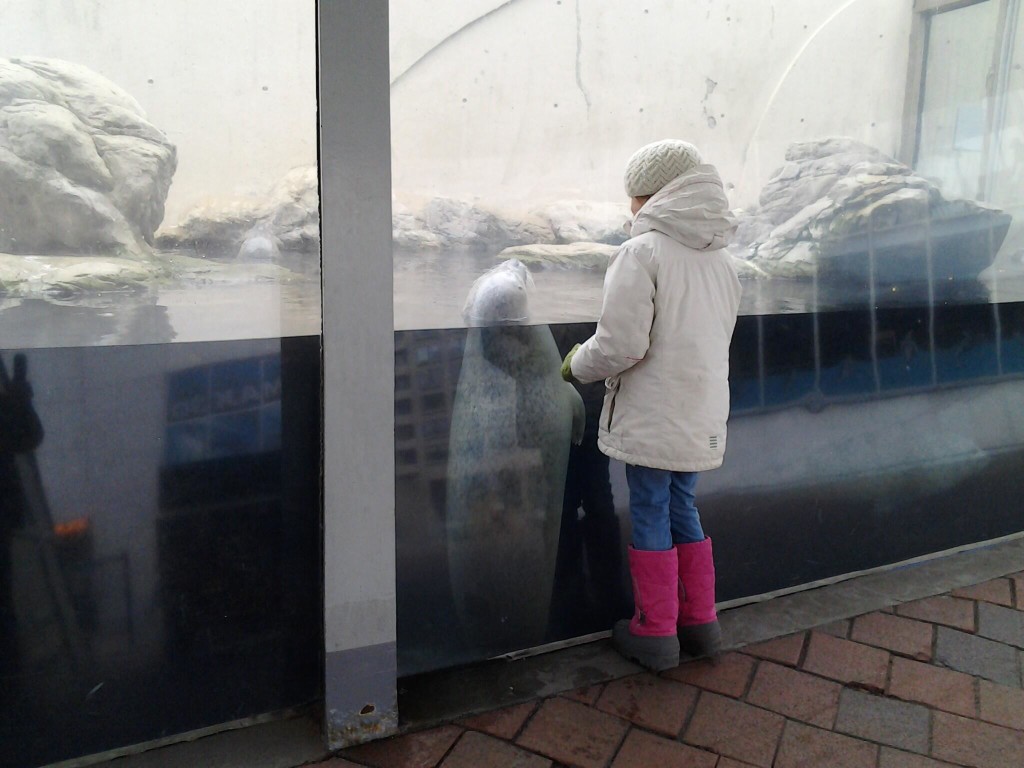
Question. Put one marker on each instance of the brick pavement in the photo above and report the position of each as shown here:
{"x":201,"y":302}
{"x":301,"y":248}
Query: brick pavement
{"x":936,"y":683}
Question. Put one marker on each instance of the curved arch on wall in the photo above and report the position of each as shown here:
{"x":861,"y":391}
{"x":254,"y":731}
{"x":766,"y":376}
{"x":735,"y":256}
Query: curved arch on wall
{"x":789,"y":68}
{"x":395,"y":79}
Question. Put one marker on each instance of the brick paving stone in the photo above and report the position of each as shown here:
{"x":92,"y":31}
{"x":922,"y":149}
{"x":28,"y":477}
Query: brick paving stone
{"x":588,"y":695}
{"x":996,"y":591}
{"x":895,"y":633}
{"x":728,"y":762}
{"x":981,"y":745}
{"x":1001,"y":705}
{"x":1003,"y":624}
{"x":785,"y":650}
{"x":887,"y":721}
{"x":839,"y":628}
{"x":650,"y":702}
{"x":735,"y":729}
{"x":846,"y":661}
{"x":728,"y":676}
{"x":937,"y":687}
{"x":806,"y":747}
{"x":503,"y":723}
{"x":894,"y":758}
{"x":645,"y":750}
{"x":977,"y":656}
{"x":477,"y":750}
{"x":795,"y":694}
{"x":415,"y":750}
{"x":572,"y":733}
{"x":950,"y":611}
{"x":334,"y":762}
{"x":1018,"y":588}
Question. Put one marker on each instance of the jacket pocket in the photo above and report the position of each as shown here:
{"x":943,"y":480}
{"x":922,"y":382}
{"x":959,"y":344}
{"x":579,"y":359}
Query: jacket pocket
{"x":613,"y":385}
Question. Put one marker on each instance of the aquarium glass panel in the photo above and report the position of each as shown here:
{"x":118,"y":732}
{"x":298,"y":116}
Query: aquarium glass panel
{"x":160,"y":562}
{"x":871,"y":156}
{"x":158,"y":176}
{"x":868,"y":150}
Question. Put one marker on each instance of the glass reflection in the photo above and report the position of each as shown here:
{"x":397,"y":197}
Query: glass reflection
{"x":909,"y":444}
{"x":861,"y":438}
{"x":872,"y":151}
{"x":158,"y":563}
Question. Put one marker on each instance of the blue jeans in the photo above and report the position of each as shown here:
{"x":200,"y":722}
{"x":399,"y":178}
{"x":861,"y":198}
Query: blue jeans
{"x":661,"y":505}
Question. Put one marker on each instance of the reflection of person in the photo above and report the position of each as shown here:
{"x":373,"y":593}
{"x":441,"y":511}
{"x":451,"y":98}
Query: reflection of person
{"x":671,"y":296}
{"x":20,"y":432}
{"x":589,"y":593}
{"x":512,"y":422}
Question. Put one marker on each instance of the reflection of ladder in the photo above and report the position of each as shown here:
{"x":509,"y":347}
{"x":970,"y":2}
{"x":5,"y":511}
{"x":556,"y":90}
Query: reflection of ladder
{"x":39,"y":527}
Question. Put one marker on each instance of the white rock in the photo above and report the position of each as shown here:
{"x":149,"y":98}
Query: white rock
{"x":568,"y":256}
{"x":289,"y":214}
{"x":574,"y":221}
{"x":81,"y":168}
{"x":44,"y":276}
{"x":835,"y":188}
{"x":833,"y":145}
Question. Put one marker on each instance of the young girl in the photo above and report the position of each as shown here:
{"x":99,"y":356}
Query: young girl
{"x":671,"y":295}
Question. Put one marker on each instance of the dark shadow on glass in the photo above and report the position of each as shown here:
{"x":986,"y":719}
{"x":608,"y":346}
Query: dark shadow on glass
{"x":21,"y":432}
{"x":169,"y":579}
{"x":885,"y":434}
{"x":590,"y":591}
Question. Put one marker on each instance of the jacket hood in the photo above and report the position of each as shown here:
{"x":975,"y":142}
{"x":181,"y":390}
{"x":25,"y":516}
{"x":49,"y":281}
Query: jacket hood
{"x":691,"y":209}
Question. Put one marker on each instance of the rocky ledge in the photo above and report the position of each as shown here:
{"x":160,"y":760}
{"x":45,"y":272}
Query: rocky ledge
{"x":844,"y":210}
{"x":81,"y":168}
{"x":589,"y":256}
{"x":286,"y":219}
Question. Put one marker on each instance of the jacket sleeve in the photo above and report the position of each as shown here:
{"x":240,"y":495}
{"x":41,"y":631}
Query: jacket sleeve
{"x":624,"y":328}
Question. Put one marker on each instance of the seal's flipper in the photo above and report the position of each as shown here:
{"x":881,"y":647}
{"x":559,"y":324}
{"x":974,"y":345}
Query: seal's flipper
{"x":579,"y":415}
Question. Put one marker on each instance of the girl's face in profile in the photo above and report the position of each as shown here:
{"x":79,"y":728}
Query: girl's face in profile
{"x":636,"y":203}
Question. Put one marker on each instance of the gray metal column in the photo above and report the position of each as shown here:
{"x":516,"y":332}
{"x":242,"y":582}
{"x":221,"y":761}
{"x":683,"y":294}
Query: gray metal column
{"x":358,"y":335}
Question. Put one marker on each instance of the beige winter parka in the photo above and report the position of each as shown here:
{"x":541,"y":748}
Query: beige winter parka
{"x":671,"y":295}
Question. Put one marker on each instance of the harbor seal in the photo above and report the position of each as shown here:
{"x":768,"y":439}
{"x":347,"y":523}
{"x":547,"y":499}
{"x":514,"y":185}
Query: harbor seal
{"x":512,"y":423}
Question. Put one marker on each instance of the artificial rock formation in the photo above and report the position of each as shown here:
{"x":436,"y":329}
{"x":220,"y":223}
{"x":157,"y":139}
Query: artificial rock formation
{"x":287,"y":219}
{"x":580,"y":255}
{"x":591,"y":256}
{"x":440,"y":223}
{"x":82,"y":171}
{"x":836,"y":199}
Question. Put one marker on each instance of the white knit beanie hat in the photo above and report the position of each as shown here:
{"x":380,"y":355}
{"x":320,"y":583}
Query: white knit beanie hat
{"x":653,"y":166}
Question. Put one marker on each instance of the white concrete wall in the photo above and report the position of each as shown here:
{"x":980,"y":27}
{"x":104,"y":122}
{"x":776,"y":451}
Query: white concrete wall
{"x":231,"y":82}
{"x":547,"y":98}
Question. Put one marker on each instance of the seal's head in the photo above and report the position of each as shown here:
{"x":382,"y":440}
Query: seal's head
{"x":501,"y":296}
{"x":499,"y":306}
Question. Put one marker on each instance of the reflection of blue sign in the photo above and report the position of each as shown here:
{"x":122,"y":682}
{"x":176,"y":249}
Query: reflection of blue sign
{"x":223,"y":409}
{"x":188,"y":394}
{"x":236,"y":385}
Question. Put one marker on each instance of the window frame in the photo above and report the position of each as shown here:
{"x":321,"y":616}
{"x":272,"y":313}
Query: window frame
{"x":996,"y":87}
